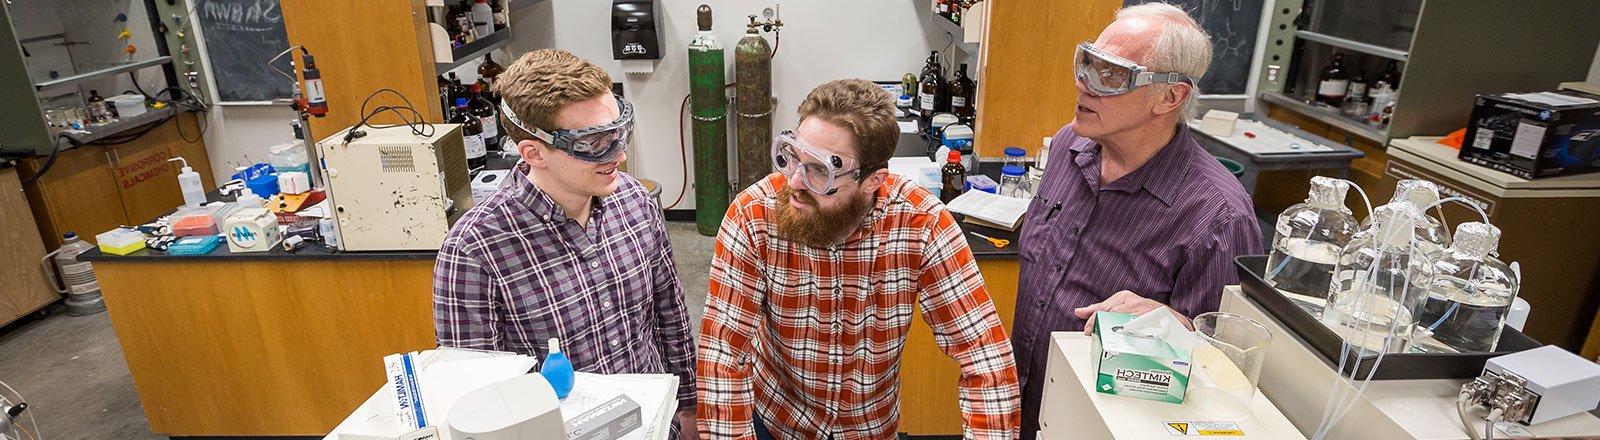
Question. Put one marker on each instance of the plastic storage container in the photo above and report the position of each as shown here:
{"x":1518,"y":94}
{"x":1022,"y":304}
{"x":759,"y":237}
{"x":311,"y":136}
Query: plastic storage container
{"x":127,"y":105}
{"x":287,"y":157}
{"x":120,"y":241}
{"x":1014,"y":182}
{"x":194,"y":224}
{"x":1016,"y":156}
{"x":1308,"y":239}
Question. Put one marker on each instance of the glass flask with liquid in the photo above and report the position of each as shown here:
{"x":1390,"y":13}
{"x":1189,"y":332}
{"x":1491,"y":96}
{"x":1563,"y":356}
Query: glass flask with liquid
{"x":1380,"y":283}
{"x":1307,"y":241}
{"x":1432,"y":236}
{"x":1471,"y":291}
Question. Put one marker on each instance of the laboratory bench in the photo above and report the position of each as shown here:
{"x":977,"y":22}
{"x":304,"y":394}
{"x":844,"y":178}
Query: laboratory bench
{"x":217,"y":344}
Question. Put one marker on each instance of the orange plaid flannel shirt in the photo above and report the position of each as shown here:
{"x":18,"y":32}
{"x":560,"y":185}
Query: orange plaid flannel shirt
{"x":811,"y":337}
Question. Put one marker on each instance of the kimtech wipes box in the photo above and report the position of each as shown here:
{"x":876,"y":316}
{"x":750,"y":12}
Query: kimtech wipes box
{"x":1147,"y":357}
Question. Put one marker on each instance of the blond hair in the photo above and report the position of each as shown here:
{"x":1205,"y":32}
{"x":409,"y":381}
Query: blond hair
{"x":542,"y":82}
{"x":1182,"y":46}
{"x":864,"y":109}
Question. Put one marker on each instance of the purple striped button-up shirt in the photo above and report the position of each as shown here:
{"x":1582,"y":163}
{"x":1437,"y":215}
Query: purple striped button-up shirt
{"x":515,"y":271}
{"x":1167,"y":231}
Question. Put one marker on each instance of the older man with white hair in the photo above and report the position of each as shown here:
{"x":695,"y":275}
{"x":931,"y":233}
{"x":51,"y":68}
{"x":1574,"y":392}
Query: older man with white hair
{"x":1132,"y":215}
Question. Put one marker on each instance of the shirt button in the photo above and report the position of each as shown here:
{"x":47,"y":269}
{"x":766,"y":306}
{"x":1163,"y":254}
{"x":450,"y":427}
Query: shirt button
{"x":606,"y":304}
{"x":614,"y":342}
{"x":594,"y":264}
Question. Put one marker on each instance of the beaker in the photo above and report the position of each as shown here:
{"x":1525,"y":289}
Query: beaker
{"x":1228,"y":367}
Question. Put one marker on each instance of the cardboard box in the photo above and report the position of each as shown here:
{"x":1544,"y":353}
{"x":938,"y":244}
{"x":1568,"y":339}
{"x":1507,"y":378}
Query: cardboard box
{"x":1534,"y":135}
{"x":1134,"y":366}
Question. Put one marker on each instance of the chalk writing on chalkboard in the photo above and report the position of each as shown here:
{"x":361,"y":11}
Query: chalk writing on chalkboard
{"x":240,"y":36}
{"x":1232,"y":25}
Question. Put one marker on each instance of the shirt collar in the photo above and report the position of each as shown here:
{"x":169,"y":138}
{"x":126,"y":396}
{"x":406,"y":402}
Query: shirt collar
{"x":1162,"y":175}
{"x":536,"y":200}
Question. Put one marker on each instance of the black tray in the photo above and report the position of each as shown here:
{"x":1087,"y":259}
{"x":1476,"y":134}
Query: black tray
{"x":1395,"y":366}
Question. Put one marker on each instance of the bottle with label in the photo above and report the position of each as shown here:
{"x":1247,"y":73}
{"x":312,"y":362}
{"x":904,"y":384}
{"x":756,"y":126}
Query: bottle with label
{"x":471,"y":135}
{"x":930,"y":90}
{"x":488,"y":118}
{"x":1390,"y":75}
{"x":499,"y":13}
{"x":1333,"y":82}
{"x":99,"y":110}
{"x":954,"y":177}
{"x":482,"y":18}
{"x":74,"y":278}
{"x":962,"y":91}
{"x":1355,"y":99}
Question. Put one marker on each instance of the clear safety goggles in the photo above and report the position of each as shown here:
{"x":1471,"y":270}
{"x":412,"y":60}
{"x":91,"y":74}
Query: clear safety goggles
{"x":598,"y":144}
{"x":812,"y":168}
{"x":1106,"y":74}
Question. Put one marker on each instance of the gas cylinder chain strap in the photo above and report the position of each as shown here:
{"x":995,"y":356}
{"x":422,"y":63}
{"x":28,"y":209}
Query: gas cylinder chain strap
{"x":770,"y":108}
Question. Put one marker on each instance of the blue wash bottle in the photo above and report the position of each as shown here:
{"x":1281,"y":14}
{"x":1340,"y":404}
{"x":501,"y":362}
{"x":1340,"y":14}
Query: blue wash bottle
{"x":557,"y":370}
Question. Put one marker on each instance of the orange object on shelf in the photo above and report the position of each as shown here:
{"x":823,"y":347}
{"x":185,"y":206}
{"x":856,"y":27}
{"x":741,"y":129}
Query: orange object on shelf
{"x":1453,"y":140}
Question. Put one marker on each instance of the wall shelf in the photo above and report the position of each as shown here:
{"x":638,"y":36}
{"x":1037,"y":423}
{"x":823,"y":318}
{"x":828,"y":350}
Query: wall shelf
{"x":1352,"y":45}
{"x":98,"y":132}
{"x":1328,"y":116}
{"x":102,"y":73}
{"x":475,"y":50}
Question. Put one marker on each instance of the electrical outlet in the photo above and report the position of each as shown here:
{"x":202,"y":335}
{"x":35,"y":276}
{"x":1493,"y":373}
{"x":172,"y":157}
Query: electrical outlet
{"x":1272,"y":73}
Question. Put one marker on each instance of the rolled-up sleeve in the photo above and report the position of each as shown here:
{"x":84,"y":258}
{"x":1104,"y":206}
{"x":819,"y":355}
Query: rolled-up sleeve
{"x":463,"y":299}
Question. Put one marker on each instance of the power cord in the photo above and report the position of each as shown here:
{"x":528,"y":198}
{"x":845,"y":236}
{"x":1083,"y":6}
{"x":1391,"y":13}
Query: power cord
{"x":419,"y":126}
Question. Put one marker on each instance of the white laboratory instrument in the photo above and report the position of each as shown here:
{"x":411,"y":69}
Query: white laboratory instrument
{"x":395,"y":190}
{"x":1298,"y":380}
{"x":520,"y":408}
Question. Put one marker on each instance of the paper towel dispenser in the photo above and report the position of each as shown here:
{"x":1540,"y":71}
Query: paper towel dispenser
{"x":634,"y":30}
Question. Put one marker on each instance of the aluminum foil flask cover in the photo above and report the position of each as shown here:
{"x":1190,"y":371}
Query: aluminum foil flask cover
{"x":634,"y":34}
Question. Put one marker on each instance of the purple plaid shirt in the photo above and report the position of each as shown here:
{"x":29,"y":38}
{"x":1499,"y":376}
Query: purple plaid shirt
{"x":516,"y":271}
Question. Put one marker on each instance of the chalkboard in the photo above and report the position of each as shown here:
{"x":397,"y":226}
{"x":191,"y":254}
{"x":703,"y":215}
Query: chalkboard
{"x":240,"y":36}
{"x":1233,"y":25}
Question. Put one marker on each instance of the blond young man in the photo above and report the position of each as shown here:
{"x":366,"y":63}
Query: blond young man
{"x":570,"y":248}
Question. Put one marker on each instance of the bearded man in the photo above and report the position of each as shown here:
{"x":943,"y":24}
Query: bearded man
{"x":813,"y":285}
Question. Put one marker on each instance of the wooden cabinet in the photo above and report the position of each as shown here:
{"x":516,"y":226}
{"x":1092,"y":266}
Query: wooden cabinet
{"x":1027,"y":82}
{"x":929,"y":398}
{"x":91,"y":189}
{"x":25,"y":287}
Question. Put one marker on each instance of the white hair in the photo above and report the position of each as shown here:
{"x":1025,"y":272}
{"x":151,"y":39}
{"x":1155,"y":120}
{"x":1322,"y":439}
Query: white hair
{"x":1181,"y":46}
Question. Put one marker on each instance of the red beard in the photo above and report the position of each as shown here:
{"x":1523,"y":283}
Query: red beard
{"x":822,"y":228}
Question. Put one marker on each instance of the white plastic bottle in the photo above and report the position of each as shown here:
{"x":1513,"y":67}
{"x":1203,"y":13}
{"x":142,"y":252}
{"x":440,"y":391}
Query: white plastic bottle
{"x":482,"y":18}
{"x":194,"y":192}
{"x":75,"y":279}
